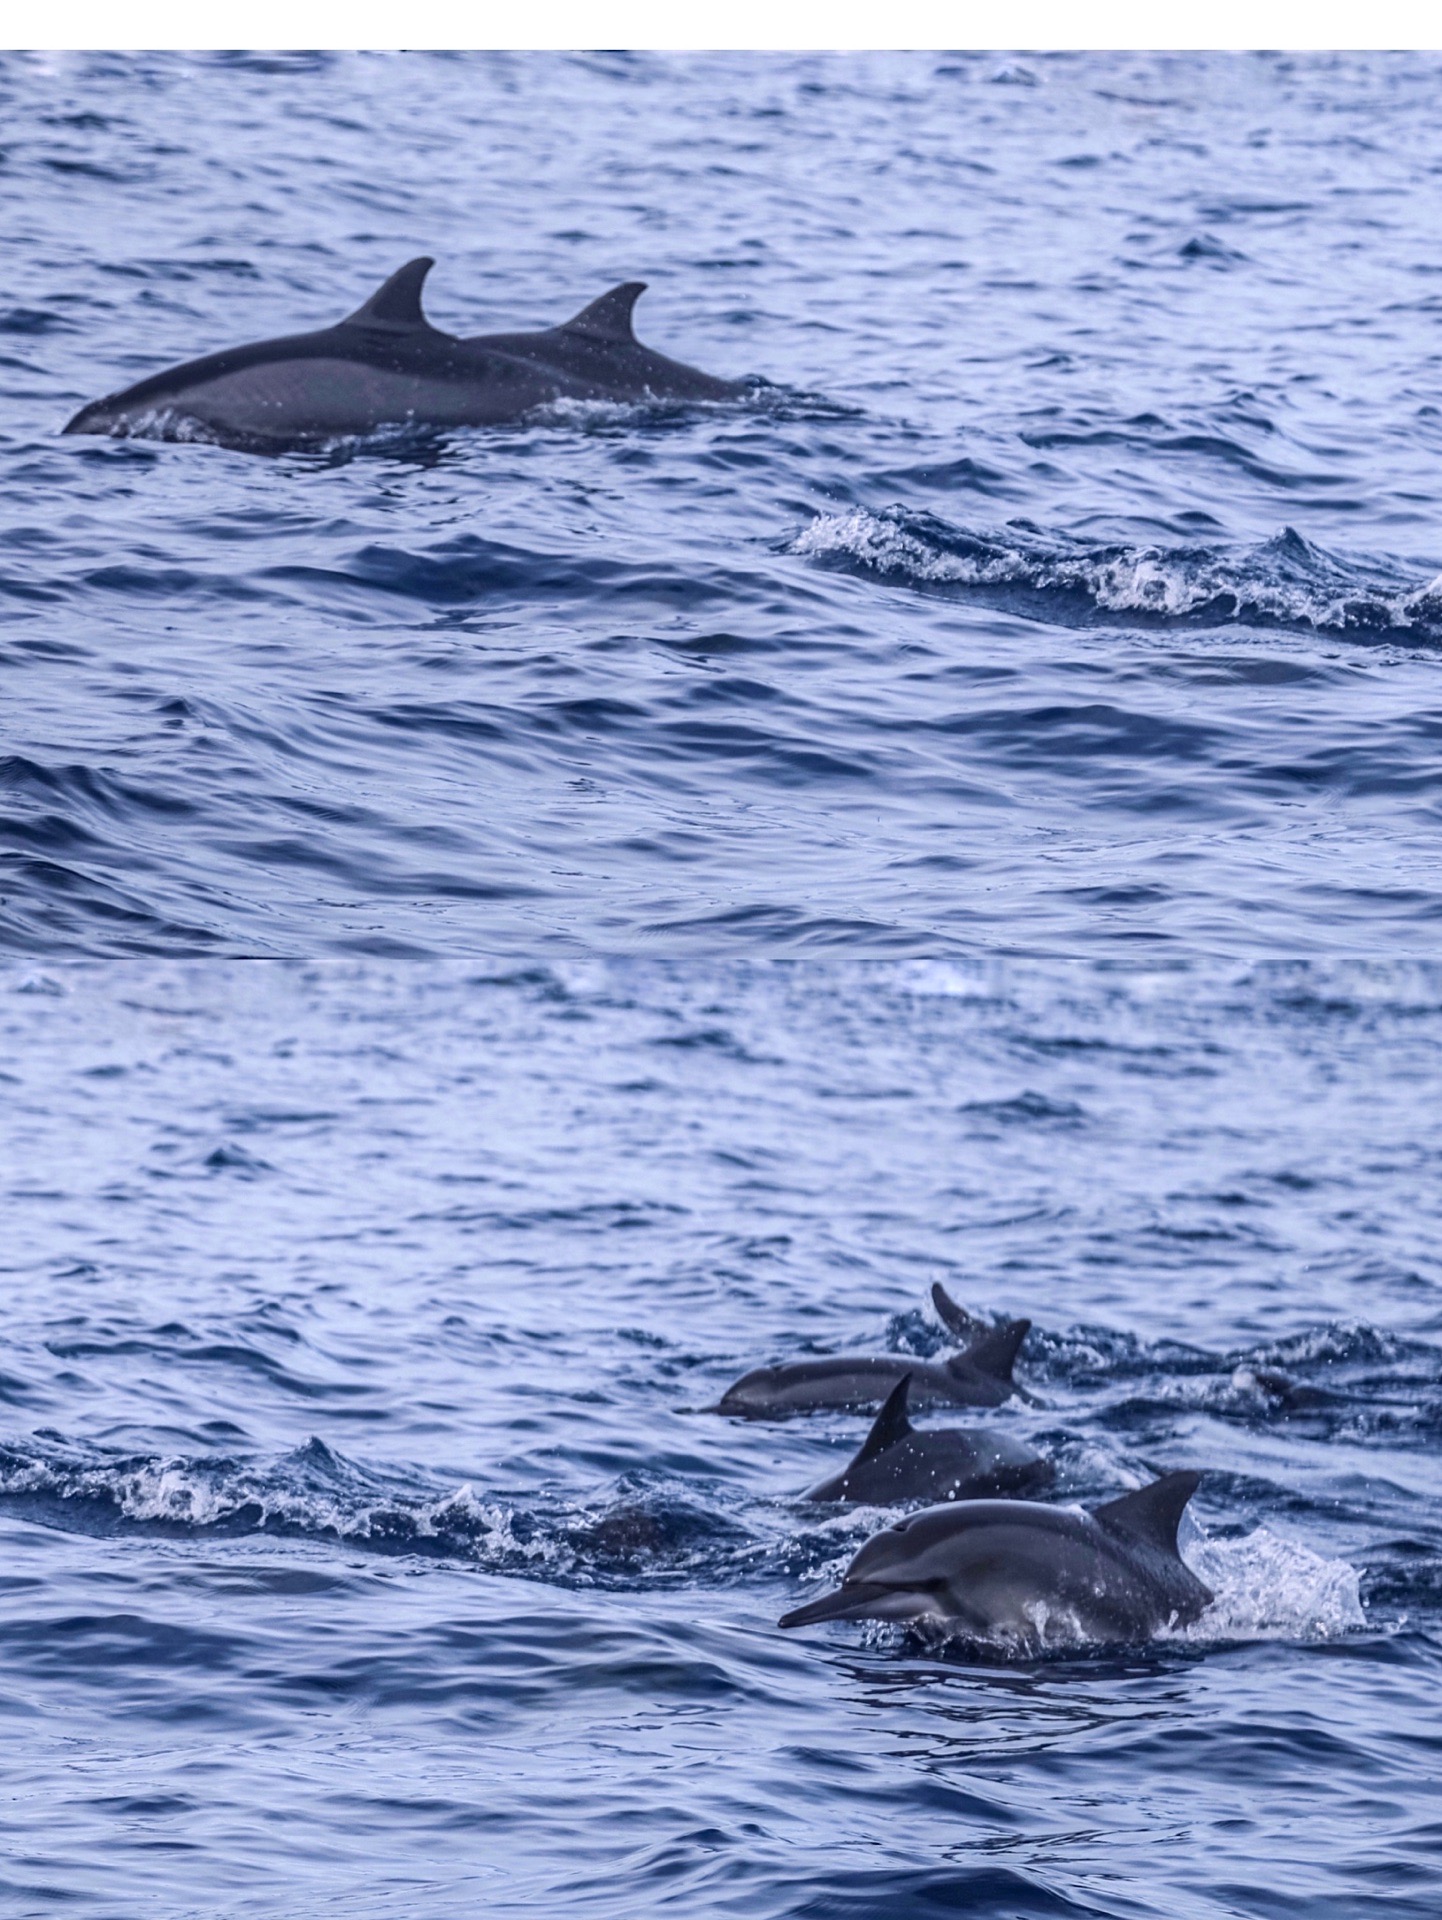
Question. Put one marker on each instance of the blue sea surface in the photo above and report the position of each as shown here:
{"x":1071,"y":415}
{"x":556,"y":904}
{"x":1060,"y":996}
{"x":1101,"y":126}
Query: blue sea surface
{"x":502,"y":932}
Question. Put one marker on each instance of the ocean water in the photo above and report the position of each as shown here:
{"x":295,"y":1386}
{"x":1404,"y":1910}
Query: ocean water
{"x":502,"y":932}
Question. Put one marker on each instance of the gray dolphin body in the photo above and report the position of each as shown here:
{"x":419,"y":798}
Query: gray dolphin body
{"x":898,"y":1461}
{"x":978,"y":1377}
{"x":1026,"y":1575}
{"x":388,"y":366}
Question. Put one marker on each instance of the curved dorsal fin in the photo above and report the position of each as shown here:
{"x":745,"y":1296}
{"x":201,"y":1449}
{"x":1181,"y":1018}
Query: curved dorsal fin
{"x":891,"y":1423}
{"x":993,"y":1351}
{"x":1153,"y":1513}
{"x":608,"y":318}
{"x":964,"y":1324}
{"x":397,"y":304}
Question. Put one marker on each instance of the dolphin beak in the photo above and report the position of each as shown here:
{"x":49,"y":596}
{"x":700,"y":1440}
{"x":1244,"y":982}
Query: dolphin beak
{"x":94,"y":418}
{"x":852,"y":1602}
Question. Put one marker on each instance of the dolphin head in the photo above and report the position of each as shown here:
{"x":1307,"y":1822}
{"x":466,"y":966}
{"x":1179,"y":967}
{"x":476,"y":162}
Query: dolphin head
{"x":100,"y":416}
{"x":753,"y":1395}
{"x":912,"y":1570}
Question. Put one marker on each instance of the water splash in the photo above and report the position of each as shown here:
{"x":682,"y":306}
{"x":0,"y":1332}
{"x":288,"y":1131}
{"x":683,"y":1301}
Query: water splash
{"x":1267,"y":1587}
{"x":1284,"y":582}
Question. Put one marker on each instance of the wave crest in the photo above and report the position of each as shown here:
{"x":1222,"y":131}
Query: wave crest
{"x":1284,"y":582}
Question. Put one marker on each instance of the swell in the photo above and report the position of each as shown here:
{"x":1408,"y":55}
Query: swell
{"x":465,"y":570}
{"x":1285,"y":582}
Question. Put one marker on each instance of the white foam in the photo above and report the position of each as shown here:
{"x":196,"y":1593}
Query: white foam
{"x":167,"y":423}
{"x":889,"y":548}
{"x":165,"y":1491}
{"x":1148,"y":580}
{"x":1267,"y":1587}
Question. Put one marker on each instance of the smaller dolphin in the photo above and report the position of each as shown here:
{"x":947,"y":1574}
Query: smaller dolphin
{"x":979,"y":1377}
{"x":898,"y":1461}
{"x":1027,"y":1575}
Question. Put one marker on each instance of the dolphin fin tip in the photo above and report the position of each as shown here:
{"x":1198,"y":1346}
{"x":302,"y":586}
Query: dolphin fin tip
{"x":609,"y":318}
{"x":1153,"y":1513}
{"x":396,"y":303}
{"x":891,"y":1426}
{"x":953,"y":1315}
{"x":995,"y":1350}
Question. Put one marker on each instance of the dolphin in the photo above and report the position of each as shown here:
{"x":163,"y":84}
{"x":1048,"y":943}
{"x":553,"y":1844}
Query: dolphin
{"x":898,"y":1461}
{"x":388,"y":366}
{"x":1027,"y":1575}
{"x":978,"y":1377}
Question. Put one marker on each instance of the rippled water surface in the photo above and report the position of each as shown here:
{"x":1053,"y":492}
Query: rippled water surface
{"x":1073,"y":586}
{"x":367,"y":1551}
{"x":502,"y":932}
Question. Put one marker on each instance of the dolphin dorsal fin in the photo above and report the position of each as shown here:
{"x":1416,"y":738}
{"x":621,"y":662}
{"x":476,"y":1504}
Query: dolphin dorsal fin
{"x":965,"y":1325}
{"x":608,"y":318}
{"x":994,"y":1351}
{"x":891,"y":1423}
{"x":1153,"y":1513}
{"x":396,"y":305}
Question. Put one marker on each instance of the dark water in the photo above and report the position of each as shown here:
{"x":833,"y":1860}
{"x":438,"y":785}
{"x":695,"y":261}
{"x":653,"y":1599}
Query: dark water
{"x":503,"y":933}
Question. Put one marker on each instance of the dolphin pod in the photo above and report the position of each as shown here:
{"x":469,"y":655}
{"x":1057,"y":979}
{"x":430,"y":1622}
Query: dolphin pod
{"x":386,"y":365}
{"x":898,"y":1461}
{"x":1017,"y":1573}
{"x":1029,"y":1575}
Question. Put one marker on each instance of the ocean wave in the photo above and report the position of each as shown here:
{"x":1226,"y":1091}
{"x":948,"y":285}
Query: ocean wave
{"x":630,"y":1535}
{"x":1283,"y":582}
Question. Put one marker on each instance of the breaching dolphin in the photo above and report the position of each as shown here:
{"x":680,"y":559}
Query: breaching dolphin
{"x":978,"y":1377}
{"x":388,"y":366}
{"x":1026,"y":1575}
{"x":898,"y":1461}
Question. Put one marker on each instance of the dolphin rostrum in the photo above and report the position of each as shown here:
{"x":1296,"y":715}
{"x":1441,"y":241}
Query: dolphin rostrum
{"x":388,"y":366}
{"x":978,"y":1377}
{"x":1026,"y":1575}
{"x":898,"y":1461}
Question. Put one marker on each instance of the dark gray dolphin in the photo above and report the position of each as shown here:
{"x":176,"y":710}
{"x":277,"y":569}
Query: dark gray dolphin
{"x":1026,"y":1575}
{"x":979,"y":1377}
{"x":388,"y":366}
{"x":898,"y":1461}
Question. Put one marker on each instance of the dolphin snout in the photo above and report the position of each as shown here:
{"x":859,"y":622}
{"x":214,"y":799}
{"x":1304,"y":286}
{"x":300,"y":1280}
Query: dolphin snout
{"x":855,"y":1599}
{"x":95,"y":418}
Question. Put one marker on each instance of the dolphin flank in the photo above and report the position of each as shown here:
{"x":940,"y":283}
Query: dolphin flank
{"x":1026,"y":1575}
{"x":898,"y":1461}
{"x":978,"y":1377}
{"x":386,"y":365}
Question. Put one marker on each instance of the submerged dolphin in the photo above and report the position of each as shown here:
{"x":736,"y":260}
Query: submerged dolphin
{"x":898,"y":1461}
{"x":979,"y":1377}
{"x":387,"y":365}
{"x":1027,"y":1575}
